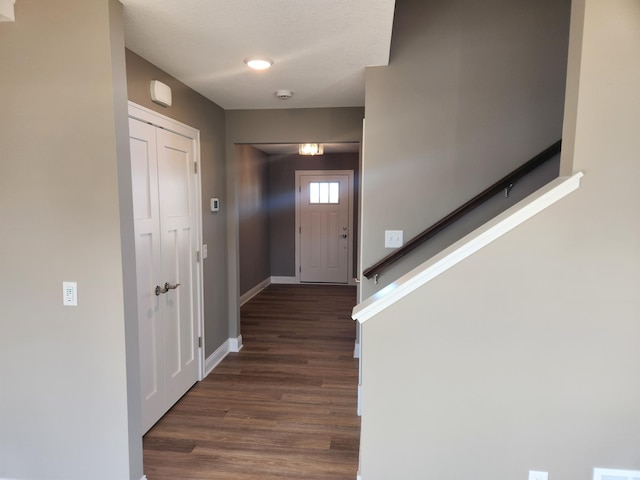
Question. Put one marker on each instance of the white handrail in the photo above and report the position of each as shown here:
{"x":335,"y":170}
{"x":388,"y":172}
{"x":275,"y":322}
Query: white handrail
{"x":471,"y":243}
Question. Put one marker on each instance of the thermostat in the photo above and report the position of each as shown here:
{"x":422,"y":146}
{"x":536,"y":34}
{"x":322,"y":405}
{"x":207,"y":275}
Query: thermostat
{"x":215,"y":204}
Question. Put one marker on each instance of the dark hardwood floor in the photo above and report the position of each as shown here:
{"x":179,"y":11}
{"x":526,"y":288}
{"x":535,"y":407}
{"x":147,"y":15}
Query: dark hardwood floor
{"x":284,"y":407}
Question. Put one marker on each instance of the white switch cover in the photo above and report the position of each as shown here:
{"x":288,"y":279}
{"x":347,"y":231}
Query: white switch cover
{"x":392,"y":238}
{"x":204,"y":252}
{"x":70,"y":294}
{"x":533,"y":475}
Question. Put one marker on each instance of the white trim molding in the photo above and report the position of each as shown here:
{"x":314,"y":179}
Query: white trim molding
{"x":235,"y":344}
{"x":245,"y":297}
{"x":215,"y":358}
{"x":230,"y":345}
{"x":468,"y":245}
{"x":7,"y":12}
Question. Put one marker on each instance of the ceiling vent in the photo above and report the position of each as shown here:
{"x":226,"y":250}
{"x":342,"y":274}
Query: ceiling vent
{"x":284,"y":94}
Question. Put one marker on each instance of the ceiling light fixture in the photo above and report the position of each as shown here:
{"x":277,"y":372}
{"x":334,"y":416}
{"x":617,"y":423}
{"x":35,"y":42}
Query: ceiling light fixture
{"x":258,"y":63}
{"x":310,"y":149}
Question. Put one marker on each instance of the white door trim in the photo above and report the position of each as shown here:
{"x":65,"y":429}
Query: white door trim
{"x":154,"y":118}
{"x":350,"y":174}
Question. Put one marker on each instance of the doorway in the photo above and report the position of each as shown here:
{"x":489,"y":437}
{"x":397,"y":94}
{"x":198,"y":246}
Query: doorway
{"x":324,"y":226}
{"x":166,"y":200}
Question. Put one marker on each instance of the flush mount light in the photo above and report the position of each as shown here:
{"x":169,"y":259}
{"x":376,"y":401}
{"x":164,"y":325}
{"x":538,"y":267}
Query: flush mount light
{"x":310,"y":149}
{"x":258,"y":63}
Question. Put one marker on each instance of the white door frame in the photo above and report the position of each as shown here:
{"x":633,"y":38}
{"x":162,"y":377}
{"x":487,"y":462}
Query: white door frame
{"x":149,"y":116}
{"x":350,"y":174}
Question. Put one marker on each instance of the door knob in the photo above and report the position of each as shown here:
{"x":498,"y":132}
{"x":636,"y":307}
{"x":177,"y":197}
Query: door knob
{"x":166,"y":288}
{"x":344,"y":235}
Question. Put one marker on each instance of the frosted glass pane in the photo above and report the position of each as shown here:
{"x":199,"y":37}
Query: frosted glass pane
{"x":324,"y":192}
{"x":314,"y":192}
{"x":334,"y":192}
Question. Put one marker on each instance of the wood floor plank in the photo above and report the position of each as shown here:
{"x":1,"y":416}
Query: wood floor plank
{"x":284,"y":407}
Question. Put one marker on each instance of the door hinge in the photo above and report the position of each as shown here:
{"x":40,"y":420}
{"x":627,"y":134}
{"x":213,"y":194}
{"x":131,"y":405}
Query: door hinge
{"x":300,"y":269}
{"x":199,"y":342}
{"x":197,"y":255}
{"x":299,"y":229}
{"x":195,"y":167}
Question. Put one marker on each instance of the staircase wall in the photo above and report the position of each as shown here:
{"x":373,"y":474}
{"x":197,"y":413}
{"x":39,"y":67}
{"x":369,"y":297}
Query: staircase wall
{"x":525,"y":355}
{"x":473,"y":90}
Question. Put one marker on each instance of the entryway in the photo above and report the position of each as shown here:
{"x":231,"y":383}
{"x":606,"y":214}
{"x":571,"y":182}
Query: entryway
{"x":324,"y":217}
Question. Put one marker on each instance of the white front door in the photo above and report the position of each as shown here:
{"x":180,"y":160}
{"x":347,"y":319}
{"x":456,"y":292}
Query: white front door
{"x":325,"y":237}
{"x":164,"y":199}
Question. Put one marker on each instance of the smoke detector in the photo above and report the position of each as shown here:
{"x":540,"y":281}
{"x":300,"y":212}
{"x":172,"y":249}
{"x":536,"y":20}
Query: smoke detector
{"x":284,"y":94}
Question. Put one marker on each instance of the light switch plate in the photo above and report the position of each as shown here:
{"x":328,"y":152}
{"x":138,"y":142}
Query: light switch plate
{"x":70,"y":294}
{"x":534,"y":475}
{"x":393,"y":238}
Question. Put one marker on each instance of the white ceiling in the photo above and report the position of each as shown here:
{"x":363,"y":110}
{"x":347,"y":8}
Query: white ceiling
{"x":320,"y":48}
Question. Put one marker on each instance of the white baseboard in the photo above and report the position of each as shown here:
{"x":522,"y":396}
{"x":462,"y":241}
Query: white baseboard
{"x":356,"y":350}
{"x":216,"y":357}
{"x":235,"y":344}
{"x":359,"y":477}
{"x":144,"y":477}
{"x":245,"y":297}
{"x":285,"y":280}
{"x":230,"y":345}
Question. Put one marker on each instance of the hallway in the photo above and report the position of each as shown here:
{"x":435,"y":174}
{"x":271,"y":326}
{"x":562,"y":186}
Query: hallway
{"x":284,"y":407}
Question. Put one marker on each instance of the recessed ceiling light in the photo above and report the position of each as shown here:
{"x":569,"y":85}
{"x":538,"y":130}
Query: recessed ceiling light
{"x":258,"y":63}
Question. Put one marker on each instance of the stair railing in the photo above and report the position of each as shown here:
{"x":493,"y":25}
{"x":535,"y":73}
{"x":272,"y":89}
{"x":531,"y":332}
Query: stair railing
{"x":506,"y":183}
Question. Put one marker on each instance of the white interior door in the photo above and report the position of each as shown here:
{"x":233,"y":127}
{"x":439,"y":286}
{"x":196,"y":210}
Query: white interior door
{"x":164,"y":198}
{"x":324,"y":228}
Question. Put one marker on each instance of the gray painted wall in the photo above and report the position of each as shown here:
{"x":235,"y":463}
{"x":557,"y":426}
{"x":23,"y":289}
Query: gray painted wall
{"x":69,"y":405}
{"x":473,"y":90}
{"x":323,"y":125}
{"x":196,"y":111}
{"x":525,"y":355}
{"x":282,"y":182}
{"x":253,"y":215}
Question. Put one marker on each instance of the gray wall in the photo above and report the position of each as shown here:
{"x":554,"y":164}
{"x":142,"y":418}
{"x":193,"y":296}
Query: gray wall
{"x":196,"y":111}
{"x":282,"y":182}
{"x":525,"y":355}
{"x":323,"y":125}
{"x":69,"y":402}
{"x":253,"y":216}
{"x":473,"y":90}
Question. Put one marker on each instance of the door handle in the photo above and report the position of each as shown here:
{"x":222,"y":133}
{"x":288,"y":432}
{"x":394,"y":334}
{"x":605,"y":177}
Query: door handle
{"x":166,"y":288}
{"x":344,"y":235}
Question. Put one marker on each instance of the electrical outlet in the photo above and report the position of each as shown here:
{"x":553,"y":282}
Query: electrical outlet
{"x":393,"y":238}
{"x":533,"y":475}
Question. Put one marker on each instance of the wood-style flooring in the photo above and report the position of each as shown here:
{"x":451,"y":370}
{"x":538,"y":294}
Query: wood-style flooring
{"x":282,"y":408}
